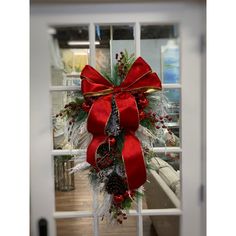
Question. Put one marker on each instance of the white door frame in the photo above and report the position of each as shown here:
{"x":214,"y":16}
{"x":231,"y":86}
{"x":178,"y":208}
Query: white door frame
{"x":191,"y":21}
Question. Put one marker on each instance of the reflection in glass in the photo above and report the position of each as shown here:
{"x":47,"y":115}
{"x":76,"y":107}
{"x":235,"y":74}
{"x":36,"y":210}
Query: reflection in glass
{"x":166,"y":106}
{"x":112,"y":39}
{"x":69,"y":50}
{"x":77,"y":199}
{"x":64,"y":181}
{"x":159,"y":47}
{"x":128,"y":227}
{"x":163,"y":189}
{"x":59,"y":122}
{"x":148,"y":227}
{"x":75,"y":227}
{"x":170,"y":62}
{"x":161,"y":225}
{"x":173,"y":96}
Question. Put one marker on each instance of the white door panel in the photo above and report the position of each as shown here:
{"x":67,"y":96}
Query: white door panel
{"x":190,"y":19}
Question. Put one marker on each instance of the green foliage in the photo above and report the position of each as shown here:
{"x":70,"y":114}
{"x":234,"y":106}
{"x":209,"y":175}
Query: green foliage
{"x":138,"y":195}
{"x":81,"y":116}
{"x":148,"y":124}
{"x":126,"y":204}
{"x":120,"y":69}
{"x":107,"y":76}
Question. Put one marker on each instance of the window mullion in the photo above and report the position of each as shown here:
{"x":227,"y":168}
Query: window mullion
{"x":137,"y":39}
{"x":92,"y":58}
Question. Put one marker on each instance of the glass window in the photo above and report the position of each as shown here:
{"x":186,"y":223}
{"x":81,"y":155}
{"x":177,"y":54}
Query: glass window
{"x":164,"y":182}
{"x":75,"y":227}
{"x":111,"y":40}
{"x":69,"y":48}
{"x":72,"y":190}
{"x":160,"y":48}
{"x":161,"y":225}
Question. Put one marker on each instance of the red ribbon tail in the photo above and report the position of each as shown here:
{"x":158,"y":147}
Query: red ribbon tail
{"x":92,"y":149}
{"x":134,"y":161}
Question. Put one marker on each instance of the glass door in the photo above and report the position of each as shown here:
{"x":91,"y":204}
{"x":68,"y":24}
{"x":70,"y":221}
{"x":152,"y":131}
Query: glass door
{"x":64,"y":45}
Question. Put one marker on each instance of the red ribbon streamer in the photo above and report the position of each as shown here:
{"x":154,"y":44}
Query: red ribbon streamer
{"x":139,"y":78}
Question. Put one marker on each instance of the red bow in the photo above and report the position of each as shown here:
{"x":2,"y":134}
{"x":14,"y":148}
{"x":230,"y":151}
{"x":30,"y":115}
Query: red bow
{"x":139,"y":78}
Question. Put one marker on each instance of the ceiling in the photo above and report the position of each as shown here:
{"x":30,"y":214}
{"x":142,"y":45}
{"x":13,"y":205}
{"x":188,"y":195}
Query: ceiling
{"x":64,"y":34}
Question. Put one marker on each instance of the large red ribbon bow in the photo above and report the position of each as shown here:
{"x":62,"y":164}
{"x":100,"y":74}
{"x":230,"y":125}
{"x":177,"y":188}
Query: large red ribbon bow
{"x":139,"y":78}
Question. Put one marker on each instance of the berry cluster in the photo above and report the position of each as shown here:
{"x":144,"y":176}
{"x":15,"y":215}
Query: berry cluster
{"x":70,"y":110}
{"x":73,"y":109}
{"x":117,"y":186}
{"x":161,"y":122}
{"x":121,"y":65}
{"x":119,"y":202}
{"x":142,"y":103}
{"x":155,"y":120}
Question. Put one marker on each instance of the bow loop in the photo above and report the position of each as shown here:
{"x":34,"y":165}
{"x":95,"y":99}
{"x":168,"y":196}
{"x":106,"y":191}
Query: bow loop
{"x":139,"y":77}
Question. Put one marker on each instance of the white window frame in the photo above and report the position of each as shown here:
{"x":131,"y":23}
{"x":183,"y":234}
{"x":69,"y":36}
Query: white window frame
{"x":187,"y":17}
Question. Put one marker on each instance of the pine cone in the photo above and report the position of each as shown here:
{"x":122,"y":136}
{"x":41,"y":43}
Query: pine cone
{"x":115,"y":184}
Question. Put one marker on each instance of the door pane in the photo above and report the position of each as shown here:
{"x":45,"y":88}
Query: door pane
{"x":112,"y":39}
{"x":72,"y":191}
{"x":163,"y":189}
{"x":69,"y":53}
{"x":160,"y":48}
{"x":161,"y":225}
{"x":61,"y":126}
{"x":148,"y":228}
{"x":128,"y":227}
{"x":75,"y":227}
{"x":167,"y":120}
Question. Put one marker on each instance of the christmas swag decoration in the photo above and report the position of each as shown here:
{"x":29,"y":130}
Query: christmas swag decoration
{"x":114,"y":120}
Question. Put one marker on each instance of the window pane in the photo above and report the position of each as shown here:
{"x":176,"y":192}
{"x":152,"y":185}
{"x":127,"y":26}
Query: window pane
{"x":110,"y":40}
{"x":166,"y":105}
{"x":163,"y":189}
{"x":61,"y":127}
{"x":75,"y":227}
{"x":69,"y":49}
{"x":72,"y":191}
{"x":128,"y":227}
{"x":160,"y":48}
{"x":161,"y":225}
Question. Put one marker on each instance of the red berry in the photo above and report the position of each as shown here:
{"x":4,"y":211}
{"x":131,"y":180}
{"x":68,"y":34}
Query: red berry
{"x":126,"y":194}
{"x":158,"y":127}
{"x":85,"y":107}
{"x":118,"y":198}
{"x":141,"y":115}
{"x":112,"y":141}
{"x":143,"y":102}
{"x":163,"y":126}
